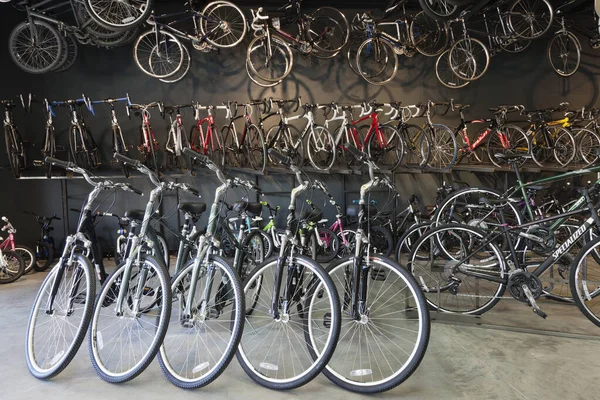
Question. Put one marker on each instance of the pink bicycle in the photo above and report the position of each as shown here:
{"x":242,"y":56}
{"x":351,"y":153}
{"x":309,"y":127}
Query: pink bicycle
{"x":26,"y":253}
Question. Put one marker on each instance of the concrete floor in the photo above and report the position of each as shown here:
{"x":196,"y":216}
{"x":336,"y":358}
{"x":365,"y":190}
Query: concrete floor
{"x":462,"y":361}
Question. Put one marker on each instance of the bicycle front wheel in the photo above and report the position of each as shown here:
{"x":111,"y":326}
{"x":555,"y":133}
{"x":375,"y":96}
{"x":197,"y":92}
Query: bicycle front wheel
{"x":444,"y":149}
{"x":417,"y":148}
{"x":320,"y":147}
{"x":328,"y":30}
{"x":122,"y":343}
{"x":585,"y":281}
{"x":54,"y":335}
{"x":199,"y":346}
{"x":530,"y":19}
{"x":376,"y":61}
{"x":380,"y":348}
{"x":430,"y":37}
{"x":386,"y":147}
{"x":509,"y":139}
{"x":223,"y":24}
{"x":564,"y":53}
{"x":255,"y":149}
{"x":35,"y":48}
{"x":159,"y":55}
{"x":13,"y":151}
{"x":119,"y":15}
{"x":564,"y":148}
{"x":273,"y":350}
{"x":44,"y":256}
{"x":330,"y":247}
{"x":446,"y":75}
{"x":12,"y":266}
{"x":469,"y":59}
{"x":587,"y":143}
{"x":270,"y":59}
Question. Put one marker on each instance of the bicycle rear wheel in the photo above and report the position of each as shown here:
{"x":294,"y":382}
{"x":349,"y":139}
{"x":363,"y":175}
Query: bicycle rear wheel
{"x":158,"y":55}
{"x":255,"y":149}
{"x":530,"y":19}
{"x":440,"y":10}
{"x":587,"y":143}
{"x":397,"y":322}
{"x":440,"y":259}
{"x":430,"y":37}
{"x":328,"y":30}
{"x":53,"y":338}
{"x":273,"y":350}
{"x":444,"y":149}
{"x":14,"y":150}
{"x":381,"y":241}
{"x":35,"y":48}
{"x":121,"y":346}
{"x":198,"y":347}
{"x":12,"y":266}
{"x":564,"y":148}
{"x":564,"y":53}
{"x":417,"y":148}
{"x":223,"y":24}
{"x":119,"y":15}
{"x":28,"y":256}
{"x":469,"y":59}
{"x":446,"y":75}
{"x":387,"y":150}
{"x":508,"y":139}
{"x":272,"y":65}
{"x":320,"y":148}
{"x":330,"y":248}
{"x":376,"y":61}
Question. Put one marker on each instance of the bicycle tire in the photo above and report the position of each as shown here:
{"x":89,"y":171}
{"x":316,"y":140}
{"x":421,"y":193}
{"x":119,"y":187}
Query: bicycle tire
{"x":199,"y":367}
{"x":264,"y":368}
{"x":332,"y":246}
{"x":440,"y":10}
{"x":445,"y":74}
{"x":320,"y":37}
{"x":183,"y":70}
{"x":59,"y":361}
{"x":268,"y":73}
{"x":381,"y":241}
{"x":15,"y":272}
{"x":367,"y":47}
{"x":105,"y":300}
{"x":427,"y":44}
{"x":523,"y":28}
{"x":13,"y":150}
{"x":285,"y":144}
{"x":53,"y":49}
{"x":466,"y":60}
{"x":257,"y":80}
{"x":436,"y":283}
{"x":587,"y":143}
{"x":145,"y":50}
{"x":584,"y":298}
{"x":28,"y":256}
{"x":77,"y":139}
{"x":320,"y":148}
{"x":564,"y":43}
{"x":44,"y":256}
{"x":109,"y":17}
{"x":239,"y":21}
{"x":394,"y":148}
{"x":564,"y":148}
{"x":385,"y":372}
{"x":70,"y":50}
{"x":408,"y":239}
{"x":518,"y":142}
{"x":444,"y":149}
{"x":256,"y":148}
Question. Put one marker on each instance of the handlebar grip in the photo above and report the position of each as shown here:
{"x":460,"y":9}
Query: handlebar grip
{"x":75,"y":210}
{"x":126,"y":160}
{"x":354,"y":151}
{"x":193,"y":191}
{"x":191,"y":153}
{"x":59,"y":163}
{"x":136,"y":191}
{"x":285,"y":160}
{"x":56,"y":218}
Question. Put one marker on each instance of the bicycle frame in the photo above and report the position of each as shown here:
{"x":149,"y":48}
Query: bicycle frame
{"x":189,"y":14}
{"x":206,"y":138}
{"x":373,"y":130}
{"x":33,"y":14}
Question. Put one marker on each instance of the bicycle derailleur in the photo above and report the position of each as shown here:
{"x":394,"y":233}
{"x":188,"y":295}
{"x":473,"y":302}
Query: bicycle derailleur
{"x":526,"y":288}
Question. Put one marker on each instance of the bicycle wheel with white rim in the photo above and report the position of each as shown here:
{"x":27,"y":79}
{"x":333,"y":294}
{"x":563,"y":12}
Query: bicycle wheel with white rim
{"x":14,"y":150}
{"x":585,"y":281}
{"x":379,"y":349}
{"x":387,"y":150}
{"x":255,"y":149}
{"x":158,"y":55}
{"x":35,"y":48}
{"x":355,"y":43}
{"x":320,"y":148}
{"x":408,"y":240}
{"x":376,"y":61}
{"x":12,"y":266}
{"x":198,"y":347}
{"x":122,"y":344}
{"x":564,"y":148}
{"x":530,"y":19}
{"x":119,"y":15}
{"x":270,"y":60}
{"x":223,"y":24}
{"x":54,"y":336}
{"x":444,"y":149}
{"x":286,"y":143}
{"x":257,"y":80}
{"x":183,"y":70}
{"x":469,"y":59}
{"x":446,"y":75}
{"x":588,"y":142}
{"x":273,"y":350}
{"x":508,"y":139}
{"x":417,"y":148}
{"x":430,"y":37}
{"x":564,"y":53}
{"x":328,"y":30}
{"x":28,"y":256}
{"x":440,"y":10}
{"x":458,"y":249}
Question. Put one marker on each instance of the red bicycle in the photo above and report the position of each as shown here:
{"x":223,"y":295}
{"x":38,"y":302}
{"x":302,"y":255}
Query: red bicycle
{"x":26,"y":253}
{"x":148,"y":146}
{"x":207,"y":141}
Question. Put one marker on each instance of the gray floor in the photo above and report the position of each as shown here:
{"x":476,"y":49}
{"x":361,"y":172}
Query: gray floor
{"x":462,"y":362}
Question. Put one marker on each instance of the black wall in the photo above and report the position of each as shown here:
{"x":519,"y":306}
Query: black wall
{"x":523,"y":78}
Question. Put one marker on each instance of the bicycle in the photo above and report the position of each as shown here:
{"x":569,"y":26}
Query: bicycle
{"x":26,"y":253}
{"x":209,"y":143}
{"x":475,"y":273}
{"x":118,"y":141}
{"x":249,"y":148}
{"x":564,"y":50}
{"x":148,"y":146}
{"x":44,"y":248}
{"x":269,"y":57}
{"x":317,"y":139}
{"x":14,"y":143}
{"x":63,"y":306}
{"x":159,"y":52}
{"x":294,"y":293}
{"x":177,"y":139}
{"x":443,"y":144}
{"x":380,"y":301}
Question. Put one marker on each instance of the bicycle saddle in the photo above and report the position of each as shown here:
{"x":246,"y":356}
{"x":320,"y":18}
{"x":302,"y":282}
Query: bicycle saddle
{"x":353,"y":209}
{"x":510,"y":158}
{"x":195,"y":209}
{"x":136,"y":215}
{"x":250,"y":208}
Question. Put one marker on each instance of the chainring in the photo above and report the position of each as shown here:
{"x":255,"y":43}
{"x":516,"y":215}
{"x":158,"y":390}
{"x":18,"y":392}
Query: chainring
{"x":520,"y":278}
{"x":544,"y":247}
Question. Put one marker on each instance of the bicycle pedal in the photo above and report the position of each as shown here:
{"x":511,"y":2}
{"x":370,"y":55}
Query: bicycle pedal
{"x":148,"y":291}
{"x":378,"y":274}
{"x":540,"y":313}
{"x":327,"y":320}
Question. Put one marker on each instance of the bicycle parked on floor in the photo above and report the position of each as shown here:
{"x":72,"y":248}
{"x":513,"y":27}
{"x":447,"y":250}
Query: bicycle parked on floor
{"x":26,"y":253}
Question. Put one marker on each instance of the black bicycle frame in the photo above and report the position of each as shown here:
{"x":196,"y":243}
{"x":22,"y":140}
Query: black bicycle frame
{"x":32,"y":13}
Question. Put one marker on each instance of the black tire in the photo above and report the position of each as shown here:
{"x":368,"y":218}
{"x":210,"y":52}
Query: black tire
{"x":332,"y":246}
{"x":408,"y":239}
{"x":247,"y":265}
{"x":231,"y":152}
{"x":28,"y":256}
{"x":440,"y":10}
{"x":585,"y":299}
{"x":13,"y":271}
{"x":223,"y":356}
{"x":381,"y":241}
{"x":44,"y":256}
{"x":111,"y":21}
{"x":22,"y":33}
{"x":14,"y":151}
{"x":78,"y":137}
{"x":49,"y":150}
{"x":40,"y":304}
{"x":327,"y":291}
{"x":106,"y":301}
{"x":338,"y":370}
{"x":70,"y":51}
{"x":256,"y":150}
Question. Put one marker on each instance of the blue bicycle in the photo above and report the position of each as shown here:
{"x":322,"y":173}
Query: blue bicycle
{"x":44,"y":248}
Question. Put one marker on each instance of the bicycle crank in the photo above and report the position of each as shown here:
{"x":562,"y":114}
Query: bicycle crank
{"x":526,"y":288}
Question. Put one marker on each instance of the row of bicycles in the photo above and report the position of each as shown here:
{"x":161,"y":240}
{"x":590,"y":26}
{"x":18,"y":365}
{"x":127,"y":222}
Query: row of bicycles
{"x":396,"y":136}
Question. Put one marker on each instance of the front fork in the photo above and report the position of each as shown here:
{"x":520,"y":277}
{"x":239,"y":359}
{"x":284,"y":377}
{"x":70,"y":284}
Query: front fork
{"x":359,"y":277}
